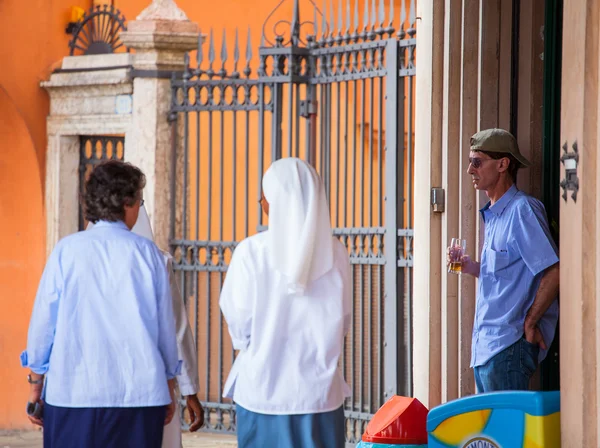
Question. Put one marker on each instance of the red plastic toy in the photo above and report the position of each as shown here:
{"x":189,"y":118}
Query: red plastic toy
{"x":400,"y":421}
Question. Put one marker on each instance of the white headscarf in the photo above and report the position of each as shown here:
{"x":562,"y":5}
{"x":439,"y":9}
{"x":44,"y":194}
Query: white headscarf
{"x":141,"y":227}
{"x":300,"y":237}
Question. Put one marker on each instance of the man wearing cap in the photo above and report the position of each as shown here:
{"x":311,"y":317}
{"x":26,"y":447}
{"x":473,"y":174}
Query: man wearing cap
{"x":517,"y":308}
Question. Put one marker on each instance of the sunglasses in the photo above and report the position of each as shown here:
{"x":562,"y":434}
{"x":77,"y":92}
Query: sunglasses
{"x":476,"y":162}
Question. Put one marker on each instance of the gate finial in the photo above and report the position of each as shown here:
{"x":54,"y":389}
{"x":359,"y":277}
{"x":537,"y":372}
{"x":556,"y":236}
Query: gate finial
{"x":296,"y":24}
{"x":281,"y":32}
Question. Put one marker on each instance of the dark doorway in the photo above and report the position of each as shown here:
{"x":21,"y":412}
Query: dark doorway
{"x":550,"y":368}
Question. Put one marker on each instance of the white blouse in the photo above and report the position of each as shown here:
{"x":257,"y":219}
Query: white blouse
{"x":289,"y":345}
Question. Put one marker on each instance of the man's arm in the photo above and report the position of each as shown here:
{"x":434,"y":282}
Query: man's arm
{"x":547,"y":292}
{"x":42,"y":327}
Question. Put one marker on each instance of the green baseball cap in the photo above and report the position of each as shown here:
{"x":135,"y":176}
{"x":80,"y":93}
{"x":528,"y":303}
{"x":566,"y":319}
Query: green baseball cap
{"x":498,"y":140}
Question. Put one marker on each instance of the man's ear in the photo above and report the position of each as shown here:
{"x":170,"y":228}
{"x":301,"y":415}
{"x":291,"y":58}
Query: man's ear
{"x":504,"y":164}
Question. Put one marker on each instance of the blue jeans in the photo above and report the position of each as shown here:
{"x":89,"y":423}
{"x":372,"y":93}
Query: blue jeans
{"x":511,"y":369}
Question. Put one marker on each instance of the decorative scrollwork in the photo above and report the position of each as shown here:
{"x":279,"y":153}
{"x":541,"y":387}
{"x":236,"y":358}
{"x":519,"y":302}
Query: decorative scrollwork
{"x":289,"y":32}
{"x":98,"y":32}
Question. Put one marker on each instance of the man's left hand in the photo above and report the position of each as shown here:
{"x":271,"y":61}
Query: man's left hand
{"x":533,"y":335}
{"x":196,"y":412}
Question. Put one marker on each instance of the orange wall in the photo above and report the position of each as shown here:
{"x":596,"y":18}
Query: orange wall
{"x":32,"y":39}
{"x":22,"y":232}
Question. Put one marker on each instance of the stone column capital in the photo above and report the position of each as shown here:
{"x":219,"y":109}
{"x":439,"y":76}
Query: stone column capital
{"x":162,"y":10}
{"x":160,"y":36}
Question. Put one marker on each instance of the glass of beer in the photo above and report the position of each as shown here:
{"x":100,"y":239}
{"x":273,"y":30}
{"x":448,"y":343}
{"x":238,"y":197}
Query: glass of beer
{"x":455,"y":253}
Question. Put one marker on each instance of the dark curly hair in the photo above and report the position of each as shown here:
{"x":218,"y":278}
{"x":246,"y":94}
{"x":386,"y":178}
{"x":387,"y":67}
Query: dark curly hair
{"x":110,"y":187}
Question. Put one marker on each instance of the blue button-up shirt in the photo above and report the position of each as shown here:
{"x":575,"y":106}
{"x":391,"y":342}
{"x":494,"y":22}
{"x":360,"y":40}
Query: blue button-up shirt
{"x":102,"y":328}
{"x":517,"y":249}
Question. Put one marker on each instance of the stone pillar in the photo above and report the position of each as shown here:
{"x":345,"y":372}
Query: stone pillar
{"x":428,"y":174}
{"x":84,"y":97}
{"x":160,"y":36}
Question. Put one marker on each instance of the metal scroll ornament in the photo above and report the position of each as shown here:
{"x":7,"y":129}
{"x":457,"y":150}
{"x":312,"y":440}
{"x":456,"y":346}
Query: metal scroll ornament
{"x":98,"y":32}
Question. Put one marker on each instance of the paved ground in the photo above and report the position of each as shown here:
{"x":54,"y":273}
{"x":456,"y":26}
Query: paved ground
{"x":33,"y":439}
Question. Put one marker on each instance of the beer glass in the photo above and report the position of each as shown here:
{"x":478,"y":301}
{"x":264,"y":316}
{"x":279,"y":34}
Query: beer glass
{"x":455,"y":253}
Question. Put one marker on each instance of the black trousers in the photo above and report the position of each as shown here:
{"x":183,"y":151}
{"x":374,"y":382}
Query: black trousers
{"x":103,"y":427}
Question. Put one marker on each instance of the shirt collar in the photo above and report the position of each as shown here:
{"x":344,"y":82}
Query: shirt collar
{"x":113,"y":224}
{"x":501,"y":204}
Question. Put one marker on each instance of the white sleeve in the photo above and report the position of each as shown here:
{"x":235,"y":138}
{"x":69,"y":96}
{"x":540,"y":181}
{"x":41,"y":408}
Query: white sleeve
{"x":237,"y":297}
{"x":186,"y":346}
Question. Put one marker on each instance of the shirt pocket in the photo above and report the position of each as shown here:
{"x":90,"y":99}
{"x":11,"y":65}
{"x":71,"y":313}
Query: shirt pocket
{"x":499,"y":263}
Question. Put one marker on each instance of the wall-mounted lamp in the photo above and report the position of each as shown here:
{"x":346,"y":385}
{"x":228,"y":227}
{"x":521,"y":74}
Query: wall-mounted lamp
{"x":75,"y":15}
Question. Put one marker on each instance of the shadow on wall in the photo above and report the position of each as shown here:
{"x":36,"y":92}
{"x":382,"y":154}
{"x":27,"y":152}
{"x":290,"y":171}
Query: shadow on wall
{"x":22,"y":255}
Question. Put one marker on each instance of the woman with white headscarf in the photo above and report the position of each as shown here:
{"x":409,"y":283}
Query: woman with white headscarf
{"x":287,"y":300}
{"x":187,"y":380}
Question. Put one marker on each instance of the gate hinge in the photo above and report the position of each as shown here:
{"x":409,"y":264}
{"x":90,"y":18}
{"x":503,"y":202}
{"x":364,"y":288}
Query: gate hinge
{"x":308,"y":108}
{"x":571,"y":181}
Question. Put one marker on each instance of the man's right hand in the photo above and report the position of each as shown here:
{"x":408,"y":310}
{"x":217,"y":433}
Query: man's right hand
{"x":469,"y":266}
{"x":170,"y":413}
{"x":35,"y":396}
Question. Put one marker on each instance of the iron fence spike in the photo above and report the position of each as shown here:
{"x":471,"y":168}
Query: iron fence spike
{"x":211,"y":48}
{"x":340,"y":18}
{"x":402,"y":13}
{"x":199,"y":52}
{"x":373,"y":13}
{"x":224,"y":54}
{"x":236,"y":47}
{"x":295,"y":25}
{"x":355,"y":17}
{"x":315,"y":22}
{"x":381,"y":13}
{"x":348,"y":21}
{"x":324,"y":26}
{"x":249,"y":47}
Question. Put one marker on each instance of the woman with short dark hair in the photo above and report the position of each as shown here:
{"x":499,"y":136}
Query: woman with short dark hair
{"x":110,"y":187}
{"x":102,"y":347}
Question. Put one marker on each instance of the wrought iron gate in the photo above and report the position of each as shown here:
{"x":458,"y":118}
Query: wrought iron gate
{"x":342,"y":98}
